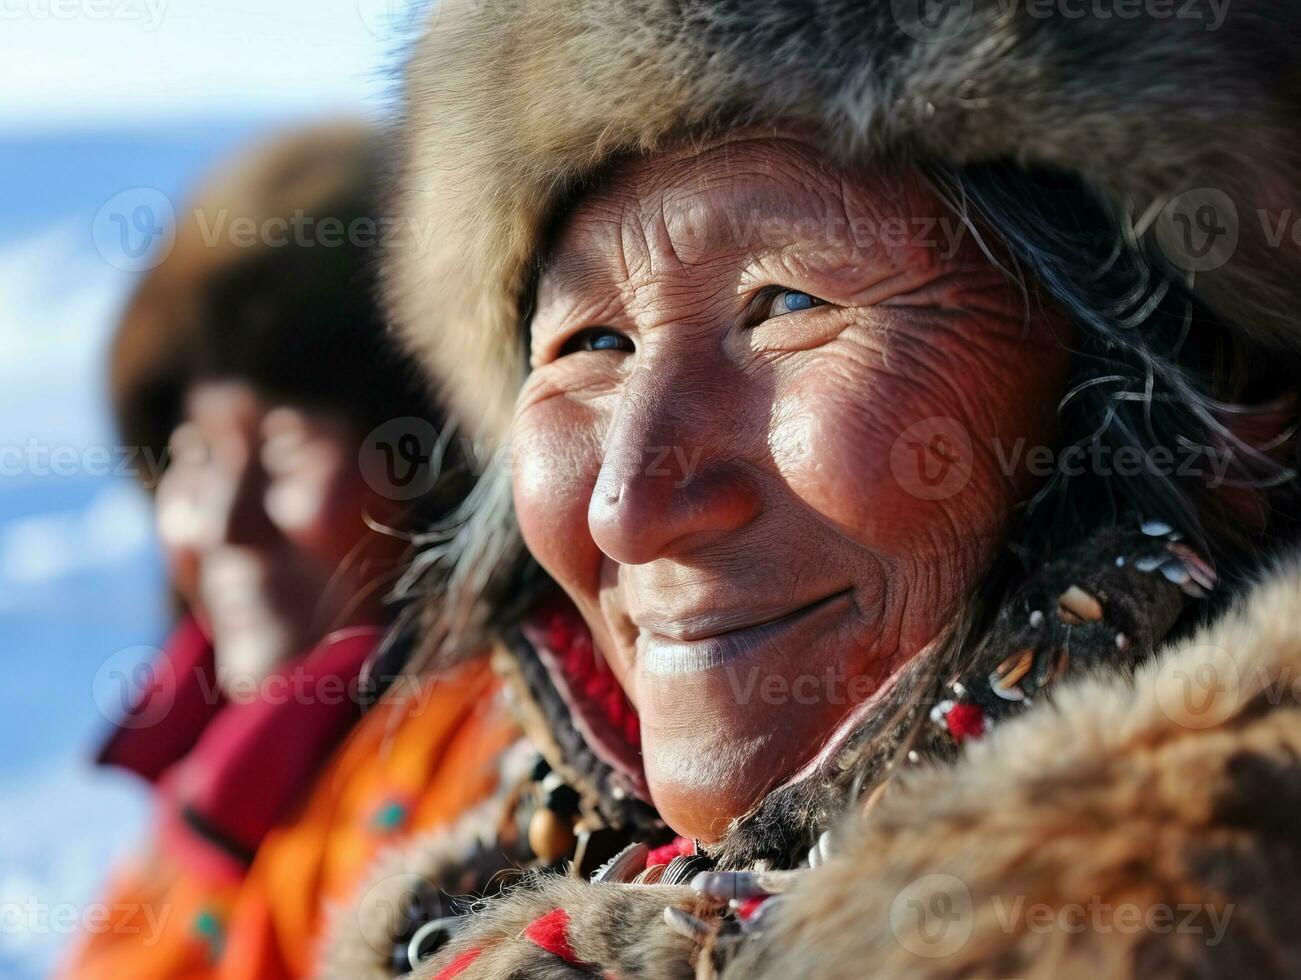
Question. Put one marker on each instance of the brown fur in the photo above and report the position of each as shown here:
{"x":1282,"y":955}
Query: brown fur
{"x":298,"y":321}
{"x":1115,"y":794}
{"x":510,"y":102}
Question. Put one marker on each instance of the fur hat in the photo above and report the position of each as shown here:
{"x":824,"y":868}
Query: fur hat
{"x":287,"y":303}
{"x":1183,"y":120}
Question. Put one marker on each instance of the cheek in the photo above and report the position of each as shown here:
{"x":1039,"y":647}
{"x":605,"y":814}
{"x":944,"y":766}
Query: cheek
{"x":555,"y":464}
{"x":319,"y":507}
{"x":911,"y":460}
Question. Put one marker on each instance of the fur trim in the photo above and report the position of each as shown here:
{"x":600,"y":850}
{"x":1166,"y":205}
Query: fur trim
{"x":1174,"y":795}
{"x":510,"y":102}
{"x":611,"y":930}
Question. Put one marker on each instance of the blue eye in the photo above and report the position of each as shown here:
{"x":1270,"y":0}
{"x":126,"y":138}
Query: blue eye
{"x":597,"y":339}
{"x":790,"y":301}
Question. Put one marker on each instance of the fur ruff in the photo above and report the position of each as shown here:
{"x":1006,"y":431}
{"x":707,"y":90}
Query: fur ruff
{"x":1177,"y":789}
{"x":510,"y":103}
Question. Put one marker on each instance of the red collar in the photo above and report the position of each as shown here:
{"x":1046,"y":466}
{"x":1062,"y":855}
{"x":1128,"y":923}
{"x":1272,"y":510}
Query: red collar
{"x":227,"y":772}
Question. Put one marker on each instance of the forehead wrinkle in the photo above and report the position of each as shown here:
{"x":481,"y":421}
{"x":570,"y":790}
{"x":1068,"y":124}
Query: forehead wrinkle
{"x":680,"y":213}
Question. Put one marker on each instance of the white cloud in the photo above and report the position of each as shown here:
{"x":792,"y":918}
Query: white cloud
{"x":58,"y":302}
{"x":39,"y":549}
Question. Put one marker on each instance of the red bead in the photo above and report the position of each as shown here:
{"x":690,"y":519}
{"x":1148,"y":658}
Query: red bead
{"x":965,"y":721}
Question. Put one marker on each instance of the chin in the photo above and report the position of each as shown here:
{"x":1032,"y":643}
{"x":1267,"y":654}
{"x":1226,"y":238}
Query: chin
{"x":707,"y":769}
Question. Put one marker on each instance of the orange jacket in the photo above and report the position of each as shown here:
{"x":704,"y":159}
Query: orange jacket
{"x":414,"y":762}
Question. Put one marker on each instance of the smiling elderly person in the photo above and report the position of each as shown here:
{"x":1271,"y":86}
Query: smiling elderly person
{"x":900,"y":408}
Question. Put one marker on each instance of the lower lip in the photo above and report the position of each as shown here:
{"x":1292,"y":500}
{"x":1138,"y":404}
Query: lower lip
{"x":664,"y":657}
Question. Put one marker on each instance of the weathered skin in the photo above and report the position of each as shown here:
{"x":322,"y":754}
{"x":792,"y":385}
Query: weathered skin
{"x":719,"y":461}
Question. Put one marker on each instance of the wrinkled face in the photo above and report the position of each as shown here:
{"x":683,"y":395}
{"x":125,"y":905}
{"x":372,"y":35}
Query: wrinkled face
{"x":763,"y":447}
{"x":261,"y":513}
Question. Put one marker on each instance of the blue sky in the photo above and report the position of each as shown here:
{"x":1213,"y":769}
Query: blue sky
{"x":101,"y":97}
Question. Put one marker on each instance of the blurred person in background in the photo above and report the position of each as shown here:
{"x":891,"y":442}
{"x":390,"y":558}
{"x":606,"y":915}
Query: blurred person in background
{"x":253,"y":362}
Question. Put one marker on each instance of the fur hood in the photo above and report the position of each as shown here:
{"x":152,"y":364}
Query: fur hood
{"x":1182,"y":118}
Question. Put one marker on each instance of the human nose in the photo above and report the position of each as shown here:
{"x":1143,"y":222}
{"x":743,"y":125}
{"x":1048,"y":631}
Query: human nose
{"x":670,"y":477}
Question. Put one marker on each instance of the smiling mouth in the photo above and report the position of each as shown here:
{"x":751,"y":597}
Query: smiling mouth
{"x":664,"y":654}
